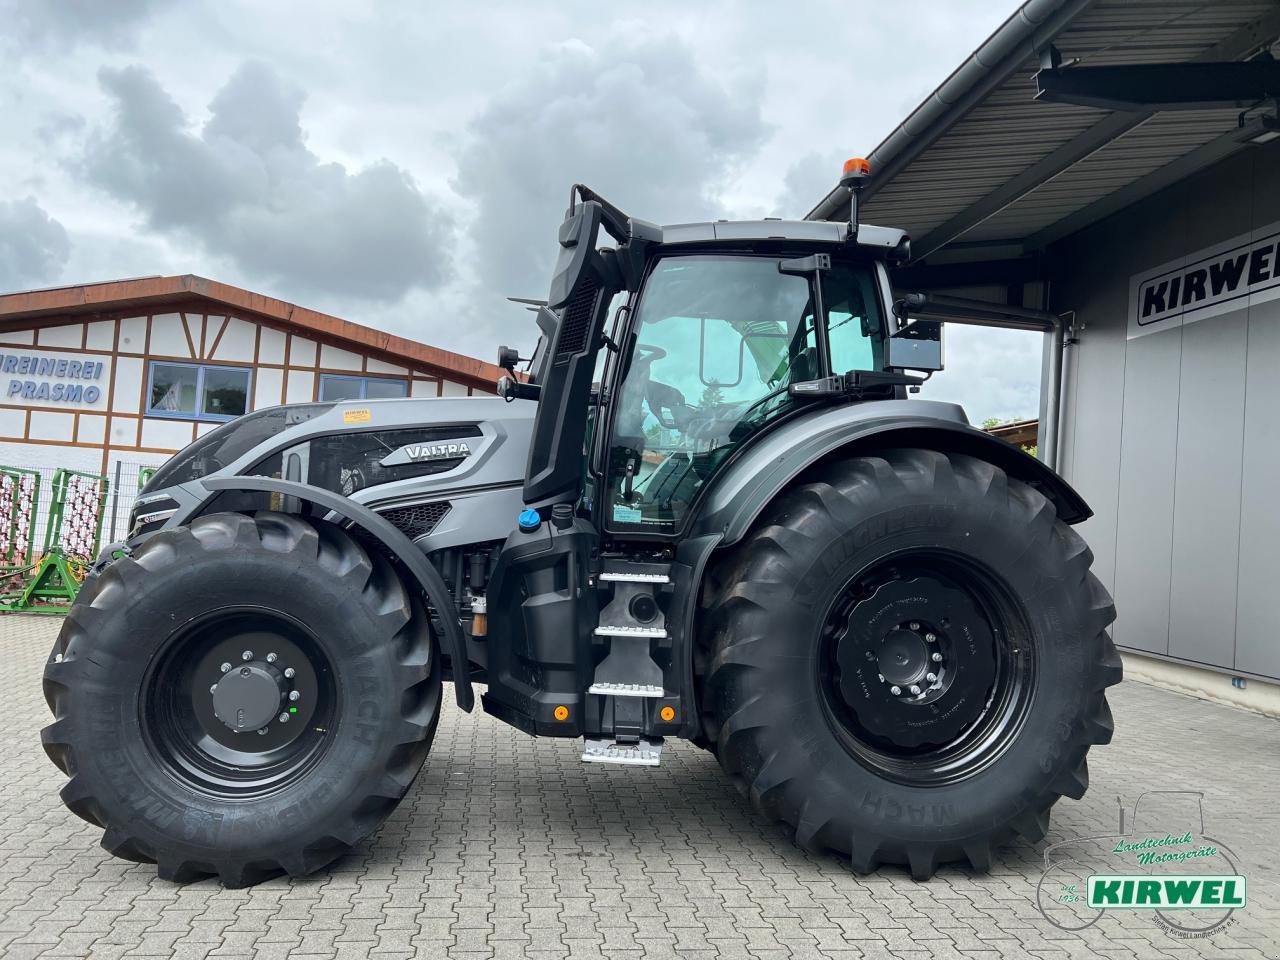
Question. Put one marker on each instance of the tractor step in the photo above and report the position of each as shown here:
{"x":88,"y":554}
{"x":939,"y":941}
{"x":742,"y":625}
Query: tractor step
{"x":645,"y":753}
{"x":624,"y":631}
{"x":625,"y":690}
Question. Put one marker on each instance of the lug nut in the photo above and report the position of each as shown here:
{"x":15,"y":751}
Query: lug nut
{"x":931,"y":637}
{"x":931,"y":677}
{"x":294,"y":695}
{"x":895,"y":690}
{"x":262,"y":732}
{"x":914,"y":688}
{"x":247,"y":655}
{"x":881,"y":676}
{"x":284,"y":718}
{"x":271,"y":658}
{"x":914,"y":625}
{"x":225,"y":667}
{"x":936,"y":657}
{"x":288,"y":672}
{"x":213,"y":688}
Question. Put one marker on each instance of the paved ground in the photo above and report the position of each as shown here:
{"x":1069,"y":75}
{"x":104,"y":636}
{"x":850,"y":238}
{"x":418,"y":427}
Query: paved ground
{"x":513,"y":848}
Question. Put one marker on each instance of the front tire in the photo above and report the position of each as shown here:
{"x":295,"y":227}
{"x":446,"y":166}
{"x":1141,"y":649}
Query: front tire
{"x":241,"y":697}
{"x":907,"y":661}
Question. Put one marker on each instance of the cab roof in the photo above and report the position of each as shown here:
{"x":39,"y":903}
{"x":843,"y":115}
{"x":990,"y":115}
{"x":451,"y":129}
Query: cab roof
{"x":870,"y":237}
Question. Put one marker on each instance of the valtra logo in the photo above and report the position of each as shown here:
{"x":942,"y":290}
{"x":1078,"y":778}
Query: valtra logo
{"x":437,"y":451}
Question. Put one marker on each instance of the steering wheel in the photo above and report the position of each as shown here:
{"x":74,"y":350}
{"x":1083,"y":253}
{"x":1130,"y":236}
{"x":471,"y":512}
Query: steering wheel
{"x":668,"y":406}
{"x":651,"y":353}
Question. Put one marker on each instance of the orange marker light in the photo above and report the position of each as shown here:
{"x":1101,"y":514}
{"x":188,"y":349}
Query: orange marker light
{"x":856,"y":165}
{"x":561,"y":712}
{"x":667,"y":713}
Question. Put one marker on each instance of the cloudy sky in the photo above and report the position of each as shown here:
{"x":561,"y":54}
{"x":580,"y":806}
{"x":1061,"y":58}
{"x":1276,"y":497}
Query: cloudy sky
{"x":405,"y":165}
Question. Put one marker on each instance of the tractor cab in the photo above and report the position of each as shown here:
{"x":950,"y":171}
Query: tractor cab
{"x":664,"y":361}
{"x":712,"y":334}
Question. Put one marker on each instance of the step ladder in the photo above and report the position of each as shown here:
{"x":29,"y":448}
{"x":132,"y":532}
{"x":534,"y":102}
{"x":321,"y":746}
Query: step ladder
{"x":628,"y":675}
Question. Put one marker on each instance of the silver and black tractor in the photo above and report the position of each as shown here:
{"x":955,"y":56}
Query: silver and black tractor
{"x":708,"y":507}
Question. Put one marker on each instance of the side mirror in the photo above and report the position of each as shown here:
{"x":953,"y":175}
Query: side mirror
{"x":917,"y":346}
{"x":578,"y":235}
{"x":508,"y":357}
{"x":906,"y":303}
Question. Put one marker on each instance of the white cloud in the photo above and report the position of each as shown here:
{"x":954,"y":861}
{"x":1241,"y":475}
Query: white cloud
{"x":308,"y":180}
{"x":637,"y":117}
{"x":33,"y":246}
{"x":247,"y":188}
{"x":991,"y":373}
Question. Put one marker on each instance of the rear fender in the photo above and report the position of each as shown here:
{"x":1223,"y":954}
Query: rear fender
{"x":755,"y":478}
{"x":396,"y":544}
{"x":763,"y":471}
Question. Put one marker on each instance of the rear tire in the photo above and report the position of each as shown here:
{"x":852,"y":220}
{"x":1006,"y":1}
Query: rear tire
{"x":821,"y":628}
{"x":134,"y":679}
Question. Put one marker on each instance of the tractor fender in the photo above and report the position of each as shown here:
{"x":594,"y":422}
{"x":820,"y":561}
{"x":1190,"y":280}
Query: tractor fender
{"x":397,"y":545}
{"x":767,"y":467}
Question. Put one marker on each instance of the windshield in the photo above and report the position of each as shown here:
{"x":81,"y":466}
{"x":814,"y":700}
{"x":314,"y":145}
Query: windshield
{"x":717,"y":341}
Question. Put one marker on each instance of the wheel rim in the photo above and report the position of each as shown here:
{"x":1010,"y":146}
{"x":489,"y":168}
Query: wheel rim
{"x":926,"y":668}
{"x":239,"y":703}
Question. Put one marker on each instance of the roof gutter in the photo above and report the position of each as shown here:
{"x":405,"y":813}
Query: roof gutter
{"x":1033,"y":25}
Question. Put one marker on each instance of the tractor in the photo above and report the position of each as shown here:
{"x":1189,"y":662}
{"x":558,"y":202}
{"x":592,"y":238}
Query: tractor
{"x":708,"y":507}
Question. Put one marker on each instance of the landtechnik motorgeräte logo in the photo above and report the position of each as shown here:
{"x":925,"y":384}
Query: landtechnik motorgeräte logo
{"x":1188,"y":882}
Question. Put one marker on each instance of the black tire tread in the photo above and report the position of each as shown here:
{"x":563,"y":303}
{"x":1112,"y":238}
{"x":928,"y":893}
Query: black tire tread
{"x":354,"y":570}
{"x":829,"y":497}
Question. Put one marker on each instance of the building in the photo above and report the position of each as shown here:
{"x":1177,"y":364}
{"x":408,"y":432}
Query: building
{"x":1109,"y":172}
{"x":112,"y":378}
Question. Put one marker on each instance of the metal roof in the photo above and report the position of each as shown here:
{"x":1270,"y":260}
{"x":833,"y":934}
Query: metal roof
{"x":982,"y":163}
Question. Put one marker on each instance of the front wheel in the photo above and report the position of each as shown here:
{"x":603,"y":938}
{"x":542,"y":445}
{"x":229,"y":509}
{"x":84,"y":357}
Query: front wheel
{"x":242,"y":697}
{"x":906,"y":660}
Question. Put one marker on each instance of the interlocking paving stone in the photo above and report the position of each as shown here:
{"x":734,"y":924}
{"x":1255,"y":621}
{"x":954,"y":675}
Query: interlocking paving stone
{"x":511,"y":847}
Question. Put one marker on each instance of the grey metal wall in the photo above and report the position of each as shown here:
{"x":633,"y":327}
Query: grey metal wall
{"x":1174,"y":437}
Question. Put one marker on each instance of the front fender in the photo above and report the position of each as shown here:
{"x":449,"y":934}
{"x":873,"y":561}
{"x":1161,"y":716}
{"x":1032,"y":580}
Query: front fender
{"x":756,"y":477}
{"x":396,"y":544}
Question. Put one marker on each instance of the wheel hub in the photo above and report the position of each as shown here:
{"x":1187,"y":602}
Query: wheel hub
{"x":249,"y":696}
{"x":241,"y":702}
{"x":904,"y":657}
{"x":915,"y":663}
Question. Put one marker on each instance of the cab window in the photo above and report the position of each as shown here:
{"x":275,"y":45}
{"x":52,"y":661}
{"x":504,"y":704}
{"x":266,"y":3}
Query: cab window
{"x":715,"y":344}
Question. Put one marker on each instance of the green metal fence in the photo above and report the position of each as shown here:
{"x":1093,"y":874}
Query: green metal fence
{"x":46,"y":579}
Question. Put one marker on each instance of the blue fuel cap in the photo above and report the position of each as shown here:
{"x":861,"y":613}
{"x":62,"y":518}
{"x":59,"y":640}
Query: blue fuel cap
{"x":530,"y":520}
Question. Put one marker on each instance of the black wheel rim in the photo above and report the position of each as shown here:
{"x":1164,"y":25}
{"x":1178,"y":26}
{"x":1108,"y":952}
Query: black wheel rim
{"x":239,"y":703}
{"x":926,"y":668}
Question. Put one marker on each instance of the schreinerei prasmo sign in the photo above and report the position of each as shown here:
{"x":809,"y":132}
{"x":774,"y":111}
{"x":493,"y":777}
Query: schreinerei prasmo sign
{"x":47,"y":378}
{"x":1226,"y":277}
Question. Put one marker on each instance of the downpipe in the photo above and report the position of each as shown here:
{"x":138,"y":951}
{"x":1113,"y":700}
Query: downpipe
{"x":1061,"y":335}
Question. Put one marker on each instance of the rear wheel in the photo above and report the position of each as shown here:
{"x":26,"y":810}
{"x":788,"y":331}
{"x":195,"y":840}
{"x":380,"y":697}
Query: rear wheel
{"x":240,"y":698}
{"x":906,"y":660}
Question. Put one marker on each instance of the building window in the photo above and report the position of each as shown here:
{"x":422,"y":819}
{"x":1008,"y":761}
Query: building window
{"x":337,"y":387}
{"x":190,"y":391}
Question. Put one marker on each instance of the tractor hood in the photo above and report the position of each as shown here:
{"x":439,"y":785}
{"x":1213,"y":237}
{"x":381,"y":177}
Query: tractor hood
{"x":387,"y":454}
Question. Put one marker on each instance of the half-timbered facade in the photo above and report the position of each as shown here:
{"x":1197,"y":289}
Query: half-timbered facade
{"x":132,"y":371}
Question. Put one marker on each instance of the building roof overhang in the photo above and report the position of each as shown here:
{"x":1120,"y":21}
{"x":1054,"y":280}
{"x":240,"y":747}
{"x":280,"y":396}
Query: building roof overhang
{"x":983,"y":172}
{"x":150,"y":293}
